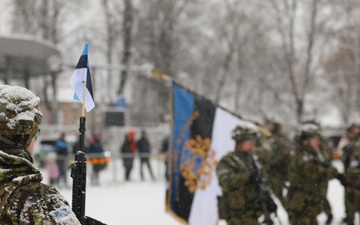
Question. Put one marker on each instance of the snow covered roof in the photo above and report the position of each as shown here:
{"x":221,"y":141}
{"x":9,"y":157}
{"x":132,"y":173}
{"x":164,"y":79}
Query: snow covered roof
{"x":22,"y":53}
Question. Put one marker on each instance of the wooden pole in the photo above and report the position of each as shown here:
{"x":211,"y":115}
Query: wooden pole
{"x":84,"y":98}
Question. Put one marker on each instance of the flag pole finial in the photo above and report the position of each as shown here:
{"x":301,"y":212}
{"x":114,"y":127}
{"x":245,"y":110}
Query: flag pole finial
{"x":157,"y":74}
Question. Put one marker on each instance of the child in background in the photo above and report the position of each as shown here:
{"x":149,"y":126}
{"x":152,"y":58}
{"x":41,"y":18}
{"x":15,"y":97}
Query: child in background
{"x":52,"y":169}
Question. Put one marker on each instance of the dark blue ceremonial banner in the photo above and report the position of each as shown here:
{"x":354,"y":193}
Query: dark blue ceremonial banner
{"x":183,"y":105}
{"x":201,"y":137}
{"x":192,"y":129}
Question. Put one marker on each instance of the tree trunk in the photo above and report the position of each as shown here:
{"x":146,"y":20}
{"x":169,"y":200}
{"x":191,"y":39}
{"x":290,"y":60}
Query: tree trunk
{"x":109,"y":44}
{"x":127,"y":27}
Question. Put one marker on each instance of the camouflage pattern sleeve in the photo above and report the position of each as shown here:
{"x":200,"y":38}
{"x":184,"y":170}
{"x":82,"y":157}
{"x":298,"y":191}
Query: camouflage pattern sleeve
{"x":38,"y":204}
{"x":230,"y":177}
{"x":332,"y":172}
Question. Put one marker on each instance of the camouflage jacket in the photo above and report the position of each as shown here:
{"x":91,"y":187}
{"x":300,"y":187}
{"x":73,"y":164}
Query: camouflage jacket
{"x":352,"y":162}
{"x":23,"y":199}
{"x":308,"y":175}
{"x":326,"y":150}
{"x":348,"y":150}
{"x":234,"y":173}
{"x":280,"y":155}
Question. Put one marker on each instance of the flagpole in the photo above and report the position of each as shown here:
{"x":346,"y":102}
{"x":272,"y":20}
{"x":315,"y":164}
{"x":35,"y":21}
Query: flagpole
{"x":170,"y":161}
{"x":84,"y":96}
{"x":158,"y":75}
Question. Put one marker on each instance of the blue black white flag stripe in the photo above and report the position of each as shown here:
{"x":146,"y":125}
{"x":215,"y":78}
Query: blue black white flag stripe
{"x":81,"y":74}
{"x":201,"y":137}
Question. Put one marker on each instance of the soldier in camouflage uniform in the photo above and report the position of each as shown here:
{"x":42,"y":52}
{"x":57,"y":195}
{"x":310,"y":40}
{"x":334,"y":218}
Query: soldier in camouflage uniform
{"x":308,"y":176}
{"x":23,"y":199}
{"x":352,"y":133}
{"x":326,"y":151}
{"x":245,"y":194}
{"x":278,"y":164}
{"x":351,"y":160}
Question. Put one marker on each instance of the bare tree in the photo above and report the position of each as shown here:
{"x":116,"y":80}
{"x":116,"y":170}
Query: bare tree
{"x":41,"y":19}
{"x":159,"y":35}
{"x":342,"y":68}
{"x":112,"y":24}
{"x":127,"y":40}
{"x":257,"y":58}
{"x":300,"y":55}
{"x":339,"y":70}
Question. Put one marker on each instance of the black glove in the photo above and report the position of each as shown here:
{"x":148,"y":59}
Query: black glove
{"x":254,"y":178}
{"x":267,"y":221}
{"x":271,"y":205}
{"x":344,"y":182}
{"x":321,"y":163}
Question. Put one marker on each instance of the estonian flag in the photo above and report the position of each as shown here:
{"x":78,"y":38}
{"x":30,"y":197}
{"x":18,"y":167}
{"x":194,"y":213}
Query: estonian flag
{"x":201,"y":137}
{"x":81,"y":74}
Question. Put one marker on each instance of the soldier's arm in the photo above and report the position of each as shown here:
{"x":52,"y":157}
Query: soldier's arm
{"x":297,"y":170}
{"x":347,"y":151}
{"x":276,"y":157}
{"x":229,"y":179}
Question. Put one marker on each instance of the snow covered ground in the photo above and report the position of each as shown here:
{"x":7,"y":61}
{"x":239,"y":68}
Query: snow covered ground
{"x":143,"y":202}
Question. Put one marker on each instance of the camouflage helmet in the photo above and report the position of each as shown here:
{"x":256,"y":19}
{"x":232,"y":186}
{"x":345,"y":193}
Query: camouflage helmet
{"x":352,"y":127}
{"x":313,"y":122}
{"x":308,"y":130}
{"x":276,"y":124}
{"x":242,"y":133}
{"x":20,"y":115}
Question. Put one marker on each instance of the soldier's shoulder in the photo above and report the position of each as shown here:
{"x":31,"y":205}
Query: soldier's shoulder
{"x":35,"y":193}
{"x":233,"y":160}
{"x":226,"y":159}
{"x":351,"y":146}
{"x":39,"y":202}
{"x":228,"y":156}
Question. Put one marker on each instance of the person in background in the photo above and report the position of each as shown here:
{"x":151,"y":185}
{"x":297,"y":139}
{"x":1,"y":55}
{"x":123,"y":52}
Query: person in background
{"x":24,"y":199}
{"x":133,"y":147}
{"x":52,"y":169}
{"x":352,"y":133}
{"x":144,"y":148}
{"x":278,"y":164}
{"x":327,"y":153}
{"x":165,"y":145}
{"x":165,"y":151}
{"x":350,"y":148}
{"x":61,"y":149}
{"x":127,"y":155}
{"x":97,"y":150}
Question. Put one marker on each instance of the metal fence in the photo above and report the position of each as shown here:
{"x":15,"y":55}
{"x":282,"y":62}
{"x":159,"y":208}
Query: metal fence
{"x":114,"y":170}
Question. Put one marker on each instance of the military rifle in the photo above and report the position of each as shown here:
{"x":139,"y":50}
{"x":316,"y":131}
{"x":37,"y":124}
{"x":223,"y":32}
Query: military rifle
{"x":268,"y":204}
{"x":78,"y":173}
{"x":278,"y":139}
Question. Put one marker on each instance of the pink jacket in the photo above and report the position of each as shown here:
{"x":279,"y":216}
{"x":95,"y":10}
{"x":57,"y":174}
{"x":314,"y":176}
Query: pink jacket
{"x":52,"y":169}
